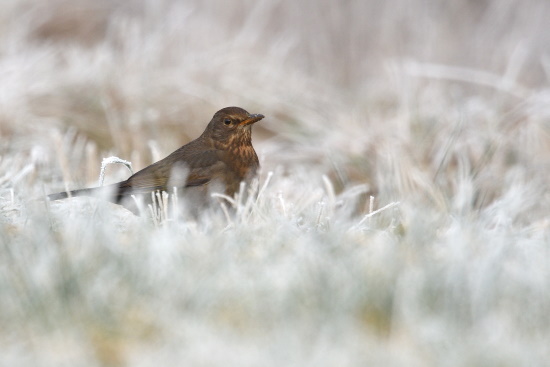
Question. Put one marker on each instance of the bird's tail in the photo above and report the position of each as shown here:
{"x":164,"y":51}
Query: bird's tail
{"x":106,"y":192}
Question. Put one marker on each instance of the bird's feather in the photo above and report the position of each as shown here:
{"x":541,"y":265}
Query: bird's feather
{"x":183,"y":168}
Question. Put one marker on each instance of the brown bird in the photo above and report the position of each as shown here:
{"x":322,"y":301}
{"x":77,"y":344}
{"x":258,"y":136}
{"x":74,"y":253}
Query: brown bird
{"x":221,"y":157}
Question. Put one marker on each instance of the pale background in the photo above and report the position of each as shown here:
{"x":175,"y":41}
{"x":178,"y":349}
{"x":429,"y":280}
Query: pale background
{"x":440,"y":110}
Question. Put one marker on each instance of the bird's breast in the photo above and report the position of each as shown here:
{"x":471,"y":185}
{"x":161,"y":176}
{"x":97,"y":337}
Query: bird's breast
{"x":244,"y":161}
{"x":241,"y":165}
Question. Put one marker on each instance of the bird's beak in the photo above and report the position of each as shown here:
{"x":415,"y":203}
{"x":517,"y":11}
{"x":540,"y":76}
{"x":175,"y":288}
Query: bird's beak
{"x":252,"y":119}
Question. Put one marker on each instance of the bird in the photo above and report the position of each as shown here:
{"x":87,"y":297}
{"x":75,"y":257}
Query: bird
{"x":220,"y":158}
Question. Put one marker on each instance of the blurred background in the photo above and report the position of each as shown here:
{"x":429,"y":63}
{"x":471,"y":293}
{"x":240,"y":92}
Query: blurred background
{"x":343,"y":84}
{"x":442,"y":106}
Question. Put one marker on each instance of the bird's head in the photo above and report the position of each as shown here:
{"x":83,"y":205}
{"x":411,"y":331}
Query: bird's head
{"x":232,"y":123}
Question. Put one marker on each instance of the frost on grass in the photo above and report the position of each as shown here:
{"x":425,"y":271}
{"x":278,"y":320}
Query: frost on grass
{"x":112,"y":160}
{"x":276,"y":270}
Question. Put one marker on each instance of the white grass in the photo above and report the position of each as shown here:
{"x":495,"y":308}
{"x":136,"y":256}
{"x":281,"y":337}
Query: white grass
{"x":112,"y":160}
{"x":400,"y":218}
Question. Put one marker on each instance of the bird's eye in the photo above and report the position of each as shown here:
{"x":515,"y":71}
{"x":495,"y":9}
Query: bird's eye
{"x":227,"y":121}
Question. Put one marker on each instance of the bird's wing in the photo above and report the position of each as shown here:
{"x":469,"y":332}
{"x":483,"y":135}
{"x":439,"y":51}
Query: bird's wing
{"x":179,"y":169}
